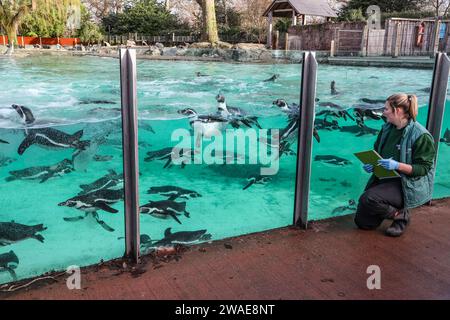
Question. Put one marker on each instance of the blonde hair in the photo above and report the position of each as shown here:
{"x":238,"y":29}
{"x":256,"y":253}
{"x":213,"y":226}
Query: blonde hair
{"x":408,"y":102}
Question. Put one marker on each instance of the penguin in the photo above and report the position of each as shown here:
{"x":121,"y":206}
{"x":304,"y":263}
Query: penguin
{"x":359,"y":130}
{"x":332,"y":105}
{"x":320,"y":124}
{"x":446,"y":137}
{"x":42,"y":172}
{"x":3,"y":141}
{"x":362,"y":112}
{"x":181,"y":155}
{"x":199,"y":74}
{"x":235,"y":115}
{"x":8,"y":262}
{"x":335,"y":113}
{"x":47,"y":137}
{"x":100,"y":158}
{"x":272,"y":78}
{"x":11,"y":232}
{"x":373,"y":101}
{"x":182,"y":237}
{"x":259,"y":179}
{"x":351,"y":206}
{"x":331,"y":159}
{"x":333,"y":88}
{"x":90,"y":203}
{"x":205,"y":125}
{"x":54,"y":139}
{"x":173,"y":192}
{"x":88,"y":101}
{"x":108,"y":181}
{"x":164,"y":209}
{"x":4,"y":161}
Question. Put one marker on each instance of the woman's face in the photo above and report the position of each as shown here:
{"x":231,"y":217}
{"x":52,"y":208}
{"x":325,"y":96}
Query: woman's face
{"x":393,"y":115}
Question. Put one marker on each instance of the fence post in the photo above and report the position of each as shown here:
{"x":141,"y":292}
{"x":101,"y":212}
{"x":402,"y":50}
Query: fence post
{"x":436,"y":29}
{"x":287,"y":47}
{"x":305,"y":136}
{"x":365,"y":41}
{"x":4,"y":41}
{"x":128,"y":82}
{"x":269,"y":35}
{"x":438,"y":96}
{"x":277,"y":39}
{"x":332,"y":49}
{"x":396,"y":40}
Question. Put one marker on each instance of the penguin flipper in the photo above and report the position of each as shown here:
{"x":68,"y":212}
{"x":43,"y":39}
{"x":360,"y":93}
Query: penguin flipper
{"x":46,"y":177}
{"x":187,"y":214}
{"x":12,"y":273}
{"x":26,"y":143}
{"x":39,"y":238}
{"x":103,"y":223}
{"x":77,"y":135}
{"x":167,"y":232}
{"x":173,"y":215}
{"x":167,"y":163}
{"x":74,"y":218}
{"x":105,"y":207}
{"x":249,"y":184}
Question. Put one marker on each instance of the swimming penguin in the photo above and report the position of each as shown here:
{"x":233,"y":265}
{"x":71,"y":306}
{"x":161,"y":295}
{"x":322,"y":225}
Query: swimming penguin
{"x":292,"y":110}
{"x":53,"y":138}
{"x":100,"y":158}
{"x":4,"y":161}
{"x":446,"y":137}
{"x":331,"y":159}
{"x":205,"y":125}
{"x":290,"y":132}
{"x":88,"y":101}
{"x":259,"y":179}
{"x":182,"y":156}
{"x":3,"y":141}
{"x":91,"y":202}
{"x":182,"y":237}
{"x":25,"y":114}
{"x":362,"y":112}
{"x":373,"y":101}
{"x":164,"y":209}
{"x":272,"y":78}
{"x":332,"y":105}
{"x":335,"y":113}
{"x":351,"y":206}
{"x":199,"y":74}
{"x":323,"y":124}
{"x":173,"y":192}
{"x":8,"y":262}
{"x":111,"y":180}
{"x":359,"y":130}
{"x":333,"y":88}
{"x":42,"y":172}
{"x":11,"y":232}
{"x":235,"y":115}
{"x":96,"y":200}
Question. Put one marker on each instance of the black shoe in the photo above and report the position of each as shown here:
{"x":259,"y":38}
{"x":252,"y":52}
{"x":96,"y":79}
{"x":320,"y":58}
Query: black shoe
{"x":399,"y":224}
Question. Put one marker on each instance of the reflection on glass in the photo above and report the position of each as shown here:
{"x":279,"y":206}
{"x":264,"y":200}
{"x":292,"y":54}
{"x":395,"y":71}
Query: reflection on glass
{"x":61,"y":189}
{"x":218,"y":187}
{"x":442,"y":178}
{"x":348,"y":120}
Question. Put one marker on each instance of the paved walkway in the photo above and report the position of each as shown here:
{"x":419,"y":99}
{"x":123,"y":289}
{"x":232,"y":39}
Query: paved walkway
{"x":327,"y":261}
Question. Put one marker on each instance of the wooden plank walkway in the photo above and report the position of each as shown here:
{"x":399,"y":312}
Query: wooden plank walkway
{"x":327,"y":261}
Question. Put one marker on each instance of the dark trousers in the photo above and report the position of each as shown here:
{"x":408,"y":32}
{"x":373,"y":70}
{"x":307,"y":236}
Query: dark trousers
{"x":380,"y":201}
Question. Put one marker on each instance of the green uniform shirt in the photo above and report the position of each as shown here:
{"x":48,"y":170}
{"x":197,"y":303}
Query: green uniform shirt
{"x":423,"y":151}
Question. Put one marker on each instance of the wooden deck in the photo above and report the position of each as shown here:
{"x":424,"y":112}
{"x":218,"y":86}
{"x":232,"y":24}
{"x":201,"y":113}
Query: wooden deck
{"x":327,"y":261}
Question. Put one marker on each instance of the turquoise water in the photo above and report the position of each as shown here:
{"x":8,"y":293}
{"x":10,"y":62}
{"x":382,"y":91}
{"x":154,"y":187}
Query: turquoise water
{"x":74,"y":93}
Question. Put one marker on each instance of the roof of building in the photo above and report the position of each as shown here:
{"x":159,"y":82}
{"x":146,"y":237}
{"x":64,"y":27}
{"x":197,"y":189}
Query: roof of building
{"x":283,"y":8}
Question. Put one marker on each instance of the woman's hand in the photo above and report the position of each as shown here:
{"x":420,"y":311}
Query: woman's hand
{"x":389,"y":164}
{"x":368,"y":168}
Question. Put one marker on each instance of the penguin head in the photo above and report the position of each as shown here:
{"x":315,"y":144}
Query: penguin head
{"x":220,"y":98}
{"x":68,"y":203}
{"x":281,"y":103}
{"x":187,"y":112}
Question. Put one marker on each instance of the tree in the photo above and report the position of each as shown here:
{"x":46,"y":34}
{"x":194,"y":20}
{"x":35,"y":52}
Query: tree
{"x":440,"y":7}
{"x":385,"y":5}
{"x":12,"y":13}
{"x":144,"y":16}
{"x":209,"y":26}
{"x":252,"y":18}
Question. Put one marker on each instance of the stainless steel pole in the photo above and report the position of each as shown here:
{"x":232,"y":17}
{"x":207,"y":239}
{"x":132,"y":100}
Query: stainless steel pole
{"x":438,"y":96}
{"x":128,"y":81}
{"x":305,"y":136}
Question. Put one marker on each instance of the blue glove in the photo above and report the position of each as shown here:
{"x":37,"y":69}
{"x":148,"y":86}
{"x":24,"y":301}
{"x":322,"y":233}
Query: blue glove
{"x":368,"y":168}
{"x":389,"y":164}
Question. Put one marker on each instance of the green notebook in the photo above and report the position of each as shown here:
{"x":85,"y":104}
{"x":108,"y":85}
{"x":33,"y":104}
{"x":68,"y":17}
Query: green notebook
{"x":372,"y":157}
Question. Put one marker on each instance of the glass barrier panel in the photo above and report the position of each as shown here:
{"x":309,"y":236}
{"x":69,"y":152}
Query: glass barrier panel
{"x":61,"y":189}
{"x":348,"y":119}
{"x":442,"y":177}
{"x":208,"y":133}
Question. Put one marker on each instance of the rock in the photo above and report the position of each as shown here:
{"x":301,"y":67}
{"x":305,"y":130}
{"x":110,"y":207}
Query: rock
{"x":131,"y":43}
{"x":106,"y":44}
{"x":154,"y":51}
{"x":201,"y":45}
{"x":159,"y":45}
{"x":247,"y":52}
{"x":170,"y":51}
{"x":224,"y":45}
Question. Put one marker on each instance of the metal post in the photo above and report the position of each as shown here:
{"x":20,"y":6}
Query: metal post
{"x":128,"y":82}
{"x":437,"y":96}
{"x":305,"y":136}
{"x":436,"y":30}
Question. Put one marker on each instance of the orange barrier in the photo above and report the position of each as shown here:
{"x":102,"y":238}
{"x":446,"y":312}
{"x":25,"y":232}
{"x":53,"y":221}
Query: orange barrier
{"x":23,"y":41}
